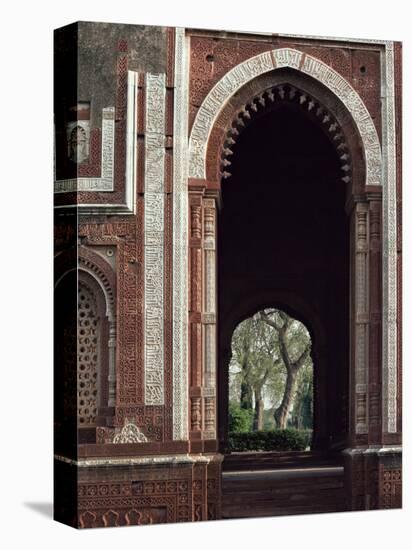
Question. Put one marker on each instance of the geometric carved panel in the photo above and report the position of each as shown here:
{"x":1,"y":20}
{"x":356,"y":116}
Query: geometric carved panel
{"x":87,"y":356}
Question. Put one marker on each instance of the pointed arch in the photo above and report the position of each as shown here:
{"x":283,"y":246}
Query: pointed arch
{"x":96,"y":330}
{"x":266,"y":62}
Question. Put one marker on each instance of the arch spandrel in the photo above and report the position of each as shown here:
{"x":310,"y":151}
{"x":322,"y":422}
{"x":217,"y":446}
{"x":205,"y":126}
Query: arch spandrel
{"x":263,"y":63}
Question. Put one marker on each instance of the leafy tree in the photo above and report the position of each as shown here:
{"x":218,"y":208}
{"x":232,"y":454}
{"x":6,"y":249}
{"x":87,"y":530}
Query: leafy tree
{"x":271,"y":364}
{"x":294,"y":348}
{"x":240,"y":420}
{"x":302,"y":413}
{"x":255,"y":361}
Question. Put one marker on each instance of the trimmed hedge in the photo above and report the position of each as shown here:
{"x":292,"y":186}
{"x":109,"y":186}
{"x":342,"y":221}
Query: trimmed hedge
{"x":274,"y":440}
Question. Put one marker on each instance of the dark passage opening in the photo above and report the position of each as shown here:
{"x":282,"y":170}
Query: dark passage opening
{"x":284,"y":243}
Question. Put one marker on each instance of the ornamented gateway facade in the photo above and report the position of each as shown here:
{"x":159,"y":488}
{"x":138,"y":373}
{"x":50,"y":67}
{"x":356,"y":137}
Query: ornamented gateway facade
{"x":147,"y":122}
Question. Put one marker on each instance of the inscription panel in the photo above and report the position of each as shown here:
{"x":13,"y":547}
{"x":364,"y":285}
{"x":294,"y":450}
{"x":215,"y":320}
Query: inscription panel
{"x":232,"y":81}
{"x":180,"y":240}
{"x":389,"y":244}
{"x":154,"y":240}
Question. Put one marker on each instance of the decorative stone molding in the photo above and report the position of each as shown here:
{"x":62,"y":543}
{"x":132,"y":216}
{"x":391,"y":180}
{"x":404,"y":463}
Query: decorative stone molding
{"x":287,"y":93}
{"x":130,"y":433}
{"x":100,"y":269}
{"x":196,"y":414}
{"x":196,"y":222}
{"x":209,"y":314}
{"x":237,"y":77}
{"x":154,"y":239}
{"x":389,"y":267}
{"x":78,"y":140}
{"x":180,"y":239}
{"x":105,"y":182}
{"x":145,"y":460}
{"x":380,"y":170}
{"x":361,"y":316}
{"x":92,"y":263}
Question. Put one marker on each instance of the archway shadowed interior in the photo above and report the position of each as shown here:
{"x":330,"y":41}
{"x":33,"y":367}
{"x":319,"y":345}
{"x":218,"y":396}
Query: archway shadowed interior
{"x":284,"y":242}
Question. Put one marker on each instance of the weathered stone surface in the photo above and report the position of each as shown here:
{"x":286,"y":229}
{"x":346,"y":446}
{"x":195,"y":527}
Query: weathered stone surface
{"x":152,"y":235}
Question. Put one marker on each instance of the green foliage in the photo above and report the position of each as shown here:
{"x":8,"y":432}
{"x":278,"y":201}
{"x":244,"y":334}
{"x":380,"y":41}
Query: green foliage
{"x":240,"y":420}
{"x":274,"y":440}
{"x":268,"y":420}
{"x":265,"y":348}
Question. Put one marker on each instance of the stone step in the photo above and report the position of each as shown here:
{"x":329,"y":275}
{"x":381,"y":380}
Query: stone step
{"x":283,"y":492}
{"x":271,"y":460}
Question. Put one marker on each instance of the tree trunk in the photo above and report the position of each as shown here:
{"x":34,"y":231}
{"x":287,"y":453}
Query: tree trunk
{"x":246,"y":396}
{"x":281,"y":413}
{"x":259,"y":408}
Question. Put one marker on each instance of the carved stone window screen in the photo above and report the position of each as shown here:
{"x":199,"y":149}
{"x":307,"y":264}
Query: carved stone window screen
{"x":88,"y":356}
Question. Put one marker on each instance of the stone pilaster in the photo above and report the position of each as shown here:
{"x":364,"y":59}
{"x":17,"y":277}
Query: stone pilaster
{"x":373,"y":478}
{"x":361,"y":318}
{"x":375,"y":323}
{"x":196,"y":412}
{"x":209,"y":317}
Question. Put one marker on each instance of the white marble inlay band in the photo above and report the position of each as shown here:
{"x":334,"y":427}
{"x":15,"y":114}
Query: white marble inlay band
{"x":180,"y":239}
{"x":237,"y":77}
{"x":154,"y":239}
{"x":389,"y":274}
{"x":105,"y":183}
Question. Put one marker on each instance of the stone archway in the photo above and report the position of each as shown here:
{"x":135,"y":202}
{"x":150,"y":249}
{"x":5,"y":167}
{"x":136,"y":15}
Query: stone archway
{"x":296,"y":307}
{"x":216,"y":122}
{"x":281,"y":229}
{"x":247,"y":71}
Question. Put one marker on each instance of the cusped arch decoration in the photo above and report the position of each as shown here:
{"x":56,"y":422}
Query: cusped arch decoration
{"x":272,"y":97}
{"x":292,"y":303}
{"x":266,"y":62}
{"x":94,"y":264}
{"x":86,"y":260}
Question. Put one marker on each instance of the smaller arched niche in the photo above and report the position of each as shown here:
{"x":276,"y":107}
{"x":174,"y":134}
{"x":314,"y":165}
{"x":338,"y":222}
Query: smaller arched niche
{"x":89,"y":329}
{"x":85,"y":350}
{"x":94,"y":335}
